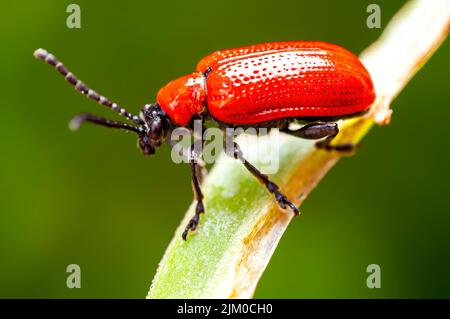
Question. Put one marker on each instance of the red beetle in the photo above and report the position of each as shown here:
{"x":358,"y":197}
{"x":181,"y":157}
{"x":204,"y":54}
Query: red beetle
{"x":265,"y":85}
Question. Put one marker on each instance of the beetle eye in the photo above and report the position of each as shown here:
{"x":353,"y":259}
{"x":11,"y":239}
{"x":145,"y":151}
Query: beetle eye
{"x":155,"y":130}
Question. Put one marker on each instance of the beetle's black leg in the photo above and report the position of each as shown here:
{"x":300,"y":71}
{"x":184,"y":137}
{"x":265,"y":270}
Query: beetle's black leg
{"x":262,"y":178}
{"x":344,"y":147}
{"x":316,"y":131}
{"x":201,"y":165}
{"x":201,"y":170}
{"x":196,"y":166}
{"x":198,"y":195}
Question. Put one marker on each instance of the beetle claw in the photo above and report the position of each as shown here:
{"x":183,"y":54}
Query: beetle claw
{"x":283,"y":201}
{"x":192,"y":225}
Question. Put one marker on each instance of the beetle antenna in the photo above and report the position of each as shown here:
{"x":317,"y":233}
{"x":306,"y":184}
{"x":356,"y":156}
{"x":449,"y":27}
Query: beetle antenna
{"x":50,"y":59}
{"x":86,"y":117}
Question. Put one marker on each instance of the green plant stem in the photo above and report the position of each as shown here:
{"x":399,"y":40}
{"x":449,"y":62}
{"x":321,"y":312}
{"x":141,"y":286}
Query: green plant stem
{"x":227,"y":255}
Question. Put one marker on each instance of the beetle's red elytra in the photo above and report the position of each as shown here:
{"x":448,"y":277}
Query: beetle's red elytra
{"x":266,"y":85}
{"x":270,"y":81}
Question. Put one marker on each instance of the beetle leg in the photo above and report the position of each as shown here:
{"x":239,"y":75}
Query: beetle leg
{"x":202,"y":172}
{"x":314,"y":131}
{"x":342,"y":148}
{"x":263,"y":179}
{"x":201,"y":165}
{"x":196,"y":167}
{"x":198,"y":195}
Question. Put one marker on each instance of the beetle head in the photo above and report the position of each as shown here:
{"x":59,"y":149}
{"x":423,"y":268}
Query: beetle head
{"x":155,"y":128}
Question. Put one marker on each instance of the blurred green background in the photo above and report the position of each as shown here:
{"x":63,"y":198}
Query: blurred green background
{"x":92,"y":199}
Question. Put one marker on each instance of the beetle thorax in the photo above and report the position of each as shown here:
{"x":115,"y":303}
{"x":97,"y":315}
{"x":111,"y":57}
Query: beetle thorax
{"x":183,"y":98}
